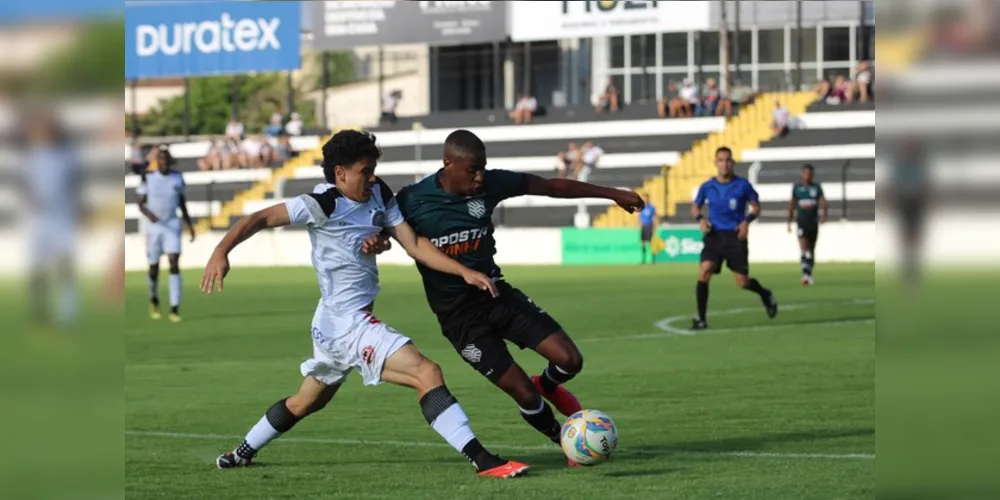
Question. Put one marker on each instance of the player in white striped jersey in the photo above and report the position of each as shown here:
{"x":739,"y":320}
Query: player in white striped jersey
{"x":343,"y":221}
{"x":161,"y":194}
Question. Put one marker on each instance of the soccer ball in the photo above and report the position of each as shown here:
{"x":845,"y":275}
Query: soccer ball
{"x":589,"y":437}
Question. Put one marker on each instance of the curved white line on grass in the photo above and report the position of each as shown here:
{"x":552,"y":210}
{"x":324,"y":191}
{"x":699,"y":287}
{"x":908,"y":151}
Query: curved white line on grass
{"x":418,"y":444}
{"x":666,"y":324}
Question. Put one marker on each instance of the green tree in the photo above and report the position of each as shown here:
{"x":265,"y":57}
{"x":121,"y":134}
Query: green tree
{"x":259,"y":96}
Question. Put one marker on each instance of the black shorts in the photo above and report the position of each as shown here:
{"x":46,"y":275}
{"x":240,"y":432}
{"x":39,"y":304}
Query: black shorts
{"x":479,"y":328}
{"x":646,"y":234}
{"x":726,"y":246}
{"x":809,"y":232}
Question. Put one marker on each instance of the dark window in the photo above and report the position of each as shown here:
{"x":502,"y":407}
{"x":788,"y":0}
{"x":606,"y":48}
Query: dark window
{"x":837,"y":44}
{"x":709,"y":49}
{"x":808,"y":45}
{"x":617,"y":52}
{"x":643,"y":49}
{"x":675,"y":49}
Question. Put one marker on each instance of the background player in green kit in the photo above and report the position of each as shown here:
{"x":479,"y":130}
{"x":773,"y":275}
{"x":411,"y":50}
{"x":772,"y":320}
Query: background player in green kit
{"x":809,"y":208}
{"x":454,"y":209}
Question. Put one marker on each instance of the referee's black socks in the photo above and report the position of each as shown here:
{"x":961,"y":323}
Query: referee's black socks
{"x":702,"y":295}
{"x":754,"y":286}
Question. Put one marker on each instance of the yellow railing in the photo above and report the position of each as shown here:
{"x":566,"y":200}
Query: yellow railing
{"x":744,"y":131}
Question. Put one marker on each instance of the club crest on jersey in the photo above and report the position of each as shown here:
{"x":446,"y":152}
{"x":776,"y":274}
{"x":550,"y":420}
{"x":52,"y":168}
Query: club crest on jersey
{"x":378,"y":218}
{"x":477,"y":208}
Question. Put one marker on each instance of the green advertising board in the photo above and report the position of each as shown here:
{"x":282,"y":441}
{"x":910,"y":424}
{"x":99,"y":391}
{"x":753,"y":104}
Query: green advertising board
{"x":622,"y":246}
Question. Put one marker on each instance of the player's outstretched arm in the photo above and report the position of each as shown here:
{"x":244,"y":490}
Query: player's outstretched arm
{"x":568,"y":188}
{"x":218,"y":265}
{"x":422,"y":250}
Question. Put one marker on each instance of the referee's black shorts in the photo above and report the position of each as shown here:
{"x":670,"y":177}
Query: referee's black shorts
{"x":726,"y":246}
{"x":646,"y":234}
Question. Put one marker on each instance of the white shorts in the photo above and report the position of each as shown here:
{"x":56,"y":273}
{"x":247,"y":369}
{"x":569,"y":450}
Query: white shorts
{"x":53,"y":239}
{"x":345,"y":342}
{"x":163,"y":238}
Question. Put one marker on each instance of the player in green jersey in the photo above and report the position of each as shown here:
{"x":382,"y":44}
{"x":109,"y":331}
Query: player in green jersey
{"x":454,"y":208}
{"x":808,"y":208}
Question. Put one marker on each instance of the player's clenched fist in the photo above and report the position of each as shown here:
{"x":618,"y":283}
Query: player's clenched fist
{"x":376,"y":244}
{"x":215,"y":271}
{"x":630,"y":201}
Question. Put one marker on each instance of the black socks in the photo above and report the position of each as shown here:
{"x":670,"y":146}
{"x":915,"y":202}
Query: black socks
{"x":702,"y":294}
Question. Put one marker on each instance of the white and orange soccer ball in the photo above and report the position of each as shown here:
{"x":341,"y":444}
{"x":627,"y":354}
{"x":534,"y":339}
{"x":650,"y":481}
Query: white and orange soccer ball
{"x":589,"y":437}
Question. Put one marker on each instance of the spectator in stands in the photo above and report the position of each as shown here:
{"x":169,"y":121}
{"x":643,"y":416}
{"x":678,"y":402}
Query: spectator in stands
{"x":235,"y":129}
{"x":213,"y":159}
{"x":690,"y":100}
{"x":294,"y":126}
{"x":671,"y":104}
{"x":591,"y":155}
{"x":524,"y":110}
{"x":568,"y":159}
{"x":863,"y":81}
{"x":779,"y":123}
{"x":284,"y":151}
{"x":710,"y":97}
{"x":389,"y":104}
{"x":607,"y":99}
{"x":739,"y":95}
{"x":137,"y":161}
{"x":268,"y":153}
{"x":274,"y":129}
{"x":232,"y":156}
{"x":841,"y":91}
{"x":250,"y":152}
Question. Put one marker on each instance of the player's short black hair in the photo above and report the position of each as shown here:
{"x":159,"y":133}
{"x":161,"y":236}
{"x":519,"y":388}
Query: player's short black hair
{"x":809,"y":167}
{"x":724,"y":149}
{"x":464,"y":143}
{"x":346,"y":148}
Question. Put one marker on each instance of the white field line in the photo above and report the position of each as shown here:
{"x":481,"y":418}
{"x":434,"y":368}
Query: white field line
{"x":419,"y":444}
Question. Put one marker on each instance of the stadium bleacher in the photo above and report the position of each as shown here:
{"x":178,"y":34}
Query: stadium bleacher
{"x":838,"y":140}
{"x":634,"y":151}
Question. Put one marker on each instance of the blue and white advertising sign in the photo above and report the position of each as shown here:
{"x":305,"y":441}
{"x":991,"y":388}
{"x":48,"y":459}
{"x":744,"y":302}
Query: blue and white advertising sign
{"x":177,"y":39}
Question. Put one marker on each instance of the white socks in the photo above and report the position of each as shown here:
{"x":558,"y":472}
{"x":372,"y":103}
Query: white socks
{"x":453,"y":425}
{"x":175,"y":290}
{"x":261,"y":434}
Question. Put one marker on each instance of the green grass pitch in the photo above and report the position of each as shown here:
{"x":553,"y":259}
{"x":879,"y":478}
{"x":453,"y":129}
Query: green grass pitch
{"x":754,"y":408}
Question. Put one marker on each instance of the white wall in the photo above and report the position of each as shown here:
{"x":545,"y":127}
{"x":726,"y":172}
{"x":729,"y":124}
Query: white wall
{"x":359,"y":104}
{"x":947,"y":243}
{"x":291,"y":248}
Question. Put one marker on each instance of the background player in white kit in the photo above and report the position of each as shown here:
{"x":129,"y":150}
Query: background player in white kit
{"x":343,"y":221}
{"x":160,"y":195}
{"x":51,"y":185}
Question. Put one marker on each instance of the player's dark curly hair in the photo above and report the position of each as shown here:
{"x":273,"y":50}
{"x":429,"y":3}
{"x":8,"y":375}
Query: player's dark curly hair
{"x":164,"y":150}
{"x":346,"y":148}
